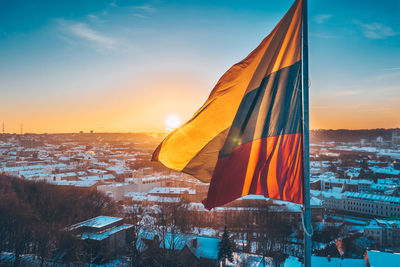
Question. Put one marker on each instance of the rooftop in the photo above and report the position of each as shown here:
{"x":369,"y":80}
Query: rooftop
{"x":378,"y":258}
{"x":97,"y":222}
{"x":103,"y":235}
{"x":172,"y":190}
{"x":372,"y":197}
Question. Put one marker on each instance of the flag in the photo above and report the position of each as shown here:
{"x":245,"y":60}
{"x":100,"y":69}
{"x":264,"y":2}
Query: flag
{"x":247,"y":137}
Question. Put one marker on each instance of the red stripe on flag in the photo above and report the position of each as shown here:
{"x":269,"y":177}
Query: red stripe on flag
{"x":278,"y":172}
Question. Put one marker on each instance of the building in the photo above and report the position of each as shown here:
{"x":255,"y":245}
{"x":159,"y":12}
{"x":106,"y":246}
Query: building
{"x":386,"y":233}
{"x":174,"y":192}
{"x":354,"y":185}
{"x":191,"y":250}
{"x":395,"y":138}
{"x":369,"y":204}
{"x":360,"y":203}
{"x":117,"y":190}
{"x":200,"y":251}
{"x":106,"y":234}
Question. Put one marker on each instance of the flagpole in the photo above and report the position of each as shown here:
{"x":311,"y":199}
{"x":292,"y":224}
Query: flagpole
{"x":306,"y":145}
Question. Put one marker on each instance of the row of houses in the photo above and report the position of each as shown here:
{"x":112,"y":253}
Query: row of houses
{"x":110,"y":234}
{"x":360,"y":203}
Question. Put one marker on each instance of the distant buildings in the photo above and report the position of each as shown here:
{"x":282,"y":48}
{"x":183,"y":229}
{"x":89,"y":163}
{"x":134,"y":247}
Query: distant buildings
{"x":395,"y":138}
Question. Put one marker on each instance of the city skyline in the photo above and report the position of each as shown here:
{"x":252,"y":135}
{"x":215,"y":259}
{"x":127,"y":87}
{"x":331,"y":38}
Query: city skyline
{"x":120,"y":66}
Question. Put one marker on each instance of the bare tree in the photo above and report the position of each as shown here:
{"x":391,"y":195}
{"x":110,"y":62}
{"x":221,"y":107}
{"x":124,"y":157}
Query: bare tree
{"x":172,"y":224}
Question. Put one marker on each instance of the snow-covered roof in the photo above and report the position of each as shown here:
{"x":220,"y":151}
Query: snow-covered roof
{"x":247,"y":259}
{"x":372,"y":197}
{"x":381,"y":223}
{"x":32,"y":167}
{"x":64,"y":174}
{"x":172,"y":190}
{"x":120,"y":169}
{"x":136,"y":196}
{"x":207,"y":247}
{"x":133,"y":194}
{"x":385,"y":170}
{"x":196,"y":206}
{"x":97,"y":177}
{"x":317,"y":261}
{"x":73,"y":183}
{"x":163,"y":199}
{"x":326,"y":194}
{"x":97,"y":171}
{"x":350,"y":181}
{"x":378,"y":258}
{"x":97,"y":222}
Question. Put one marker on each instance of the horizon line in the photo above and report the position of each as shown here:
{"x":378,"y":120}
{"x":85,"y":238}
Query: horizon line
{"x":160,"y":132}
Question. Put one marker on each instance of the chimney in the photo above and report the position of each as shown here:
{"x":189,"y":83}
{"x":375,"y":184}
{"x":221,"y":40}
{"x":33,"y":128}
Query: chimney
{"x":194,"y":242}
{"x":329,"y":258}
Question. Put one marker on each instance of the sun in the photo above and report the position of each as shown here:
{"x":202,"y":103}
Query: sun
{"x":173,"y":121}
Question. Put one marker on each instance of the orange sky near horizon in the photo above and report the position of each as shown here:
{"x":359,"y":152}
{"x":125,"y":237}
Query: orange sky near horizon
{"x":121,"y":109}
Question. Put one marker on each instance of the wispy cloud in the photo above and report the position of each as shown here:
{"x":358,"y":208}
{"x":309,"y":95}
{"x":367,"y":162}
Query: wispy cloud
{"x":322,"y":18}
{"x":140,"y":16}
{"x":323,"y":35}
{"x":391,"y":69}
{"x":113,"y":4}
{"x":146,"y":8}
{"x":84,"y":32}
{"x":93,"y":17}
{"x":376,"y":30}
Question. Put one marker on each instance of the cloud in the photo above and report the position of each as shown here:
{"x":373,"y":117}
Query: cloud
{"x":323,"y":35}
{"x":322,"y":18}
{"x":376,"y":30}
{"x":391,"y":69}
{"x":93,"y":17}
{"x":84,"y":32}
{"x":113,"y":4}
{"x":145,"y":8}
{"x":140,"y":16}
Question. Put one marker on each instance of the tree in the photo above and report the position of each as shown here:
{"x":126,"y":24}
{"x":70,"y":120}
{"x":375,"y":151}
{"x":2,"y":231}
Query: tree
{"x":273,"y":230}
{"x":32,"y":215}
{"x":69,"y":249}
{"x":225,"y":247}
{"x":172,"y":223}
{"x":134,"y":248}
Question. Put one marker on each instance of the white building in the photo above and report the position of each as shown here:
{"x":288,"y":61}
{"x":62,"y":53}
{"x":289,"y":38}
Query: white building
{"x":362,"y":203}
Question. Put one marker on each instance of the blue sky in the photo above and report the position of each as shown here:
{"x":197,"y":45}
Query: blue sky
{"x":67,"y":66}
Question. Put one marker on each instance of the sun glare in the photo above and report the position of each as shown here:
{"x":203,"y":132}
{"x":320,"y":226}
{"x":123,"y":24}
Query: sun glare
{"x":172,"y":122}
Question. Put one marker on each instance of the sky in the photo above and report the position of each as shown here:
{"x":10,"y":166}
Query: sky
{"x":125,"y":66}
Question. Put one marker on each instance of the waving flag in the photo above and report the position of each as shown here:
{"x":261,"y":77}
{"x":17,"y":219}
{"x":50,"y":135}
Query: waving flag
{"x":247,"y":137}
